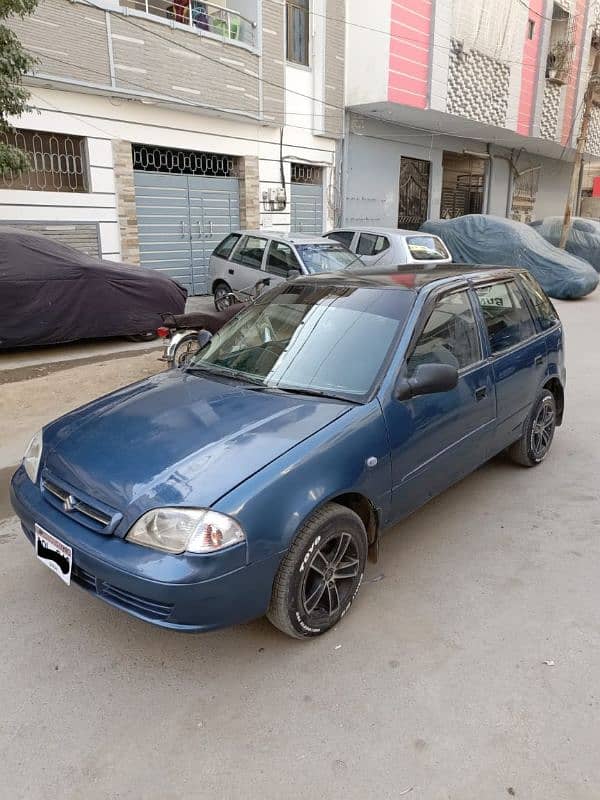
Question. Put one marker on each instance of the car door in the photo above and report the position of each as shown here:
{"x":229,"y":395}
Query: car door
{"x":279,"y":261}
{"x":372,"y":248}
{"x":437,"y":439}
{"x":245,"y":263}
{"x":518,"y":356}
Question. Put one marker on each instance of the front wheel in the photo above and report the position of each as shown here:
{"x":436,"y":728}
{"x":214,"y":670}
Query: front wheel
{"x":185,"y":350}
{"x":321,"y":573}
{"x":221,"y":299}
{"x":534,"y":445}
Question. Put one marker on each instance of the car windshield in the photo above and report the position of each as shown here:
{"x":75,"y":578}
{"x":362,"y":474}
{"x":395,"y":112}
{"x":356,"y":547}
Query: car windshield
{"x":329,"y":257}
{"x":311,"y":339}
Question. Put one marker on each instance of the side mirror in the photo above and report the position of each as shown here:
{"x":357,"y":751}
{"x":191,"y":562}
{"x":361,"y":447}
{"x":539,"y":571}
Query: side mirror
{"x":428,"y":379}
{"x":293,"y":273}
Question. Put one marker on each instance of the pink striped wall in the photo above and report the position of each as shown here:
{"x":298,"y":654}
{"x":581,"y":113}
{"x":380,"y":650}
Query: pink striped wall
{"x":571,"y":92}
{"x":410,"y":29}
{"x":529,"y":70}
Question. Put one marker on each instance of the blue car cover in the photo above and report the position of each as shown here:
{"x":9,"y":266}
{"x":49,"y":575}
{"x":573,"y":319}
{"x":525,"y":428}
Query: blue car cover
{"x":583,"y":240}
{"x":485,"y":239}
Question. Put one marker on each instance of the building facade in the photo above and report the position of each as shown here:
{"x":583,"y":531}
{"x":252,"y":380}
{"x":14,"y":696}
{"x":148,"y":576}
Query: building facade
{"x":159,"y":125}
{"x":464,"y":106}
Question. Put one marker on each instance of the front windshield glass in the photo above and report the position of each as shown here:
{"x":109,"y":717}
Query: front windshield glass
{"x":325,"y":257}
{"x":314,"y":338}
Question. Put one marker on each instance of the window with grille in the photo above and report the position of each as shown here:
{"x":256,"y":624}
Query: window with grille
{"x":58,"y":162}
{"x":307,"y":173}
{"x":297,"y":27}
{"x":184,"y":162}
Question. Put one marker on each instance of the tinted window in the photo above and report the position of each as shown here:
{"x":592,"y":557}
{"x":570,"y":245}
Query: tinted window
{"x":281,"y":259}
{"x":345,"y":237}
{"x":426,"y":248}
{"x":450,"y":335}
{"x":229,"y":242}
{"x":506,"y":316}
{"x":543,"y":310}
{"x":370,"y":244}
{"x":329,"y":338}
{"x":250,"y":251}
{"x":325,"y":257}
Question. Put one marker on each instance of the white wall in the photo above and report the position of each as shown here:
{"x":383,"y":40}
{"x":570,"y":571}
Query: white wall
{"x":367,"y":51}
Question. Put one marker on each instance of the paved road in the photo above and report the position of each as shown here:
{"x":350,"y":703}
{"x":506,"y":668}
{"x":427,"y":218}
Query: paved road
{"x":433,"y":688}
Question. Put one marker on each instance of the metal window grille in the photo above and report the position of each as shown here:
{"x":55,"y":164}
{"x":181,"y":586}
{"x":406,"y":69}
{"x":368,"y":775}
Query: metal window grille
{"x":58,"y":162}
{"x":183,"y":162}
{"x":297,"y":31}
{"x":307,"y":173}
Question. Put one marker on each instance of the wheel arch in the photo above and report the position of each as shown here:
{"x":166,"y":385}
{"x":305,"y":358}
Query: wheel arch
{"x":555,"y":386}
{"x":216,"y":282}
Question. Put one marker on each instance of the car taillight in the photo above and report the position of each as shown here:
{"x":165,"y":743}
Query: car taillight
{"x":162,"y":332}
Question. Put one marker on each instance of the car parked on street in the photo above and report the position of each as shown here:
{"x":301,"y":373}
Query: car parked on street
{"x":390,"y":247}
{"x":243,"y":257}
{"x":256,"y":480}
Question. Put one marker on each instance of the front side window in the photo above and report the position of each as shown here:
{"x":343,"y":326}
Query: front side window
{"x":370,"y":244}
{"x":506,"y":315}
{"x":310,"y":338}
{"x":250,"y":251}
{"x":281,"y":259}
{"x":344,"y":237}
{"x":296,"y":20}
{"x":543,"y":310}
{"x":426,"y":248}
{"x":224,"y":249}
{"x":450,"y":335}
{"x":326,"y":257}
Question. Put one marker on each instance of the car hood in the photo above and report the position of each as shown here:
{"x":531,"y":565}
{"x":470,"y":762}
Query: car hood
{"x":178,"y":439}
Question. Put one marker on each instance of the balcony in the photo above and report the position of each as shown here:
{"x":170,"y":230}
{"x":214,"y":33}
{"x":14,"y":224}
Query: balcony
{"x":199,"y":16}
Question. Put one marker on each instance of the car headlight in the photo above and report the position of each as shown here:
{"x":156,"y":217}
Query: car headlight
{"x":177,"y":530}
{"x":32,"y":457}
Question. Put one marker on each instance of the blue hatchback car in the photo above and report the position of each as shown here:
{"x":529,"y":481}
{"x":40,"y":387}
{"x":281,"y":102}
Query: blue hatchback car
{"x":258,"y":479}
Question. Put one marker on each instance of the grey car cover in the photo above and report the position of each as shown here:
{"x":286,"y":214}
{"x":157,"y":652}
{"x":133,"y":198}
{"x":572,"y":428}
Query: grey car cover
{"x":583,"y":240}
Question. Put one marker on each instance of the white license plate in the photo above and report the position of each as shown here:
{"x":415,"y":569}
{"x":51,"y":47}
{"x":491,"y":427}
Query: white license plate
{"x":56,"y":555}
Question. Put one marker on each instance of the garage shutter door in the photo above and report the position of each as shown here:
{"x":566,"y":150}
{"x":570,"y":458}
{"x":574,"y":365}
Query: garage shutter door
{"x":306,"y":208}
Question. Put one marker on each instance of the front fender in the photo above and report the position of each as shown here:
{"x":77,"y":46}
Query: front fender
{"x":273,"y":504}
{"x":177,"y":337}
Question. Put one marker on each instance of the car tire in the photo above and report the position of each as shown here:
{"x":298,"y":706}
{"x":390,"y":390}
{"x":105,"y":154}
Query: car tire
{"x":220,"y":292}
{"x":307,"y":598}
{"x":185,"y":350}
{"x":534,"y":445}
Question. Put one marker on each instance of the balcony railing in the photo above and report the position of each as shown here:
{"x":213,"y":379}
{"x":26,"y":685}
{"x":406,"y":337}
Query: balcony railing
{"x":200,"y":16}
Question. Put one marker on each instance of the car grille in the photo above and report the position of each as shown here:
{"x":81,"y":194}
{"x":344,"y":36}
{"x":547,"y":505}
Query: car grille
{"x":70,"y":501}
{"x":119,"y":597}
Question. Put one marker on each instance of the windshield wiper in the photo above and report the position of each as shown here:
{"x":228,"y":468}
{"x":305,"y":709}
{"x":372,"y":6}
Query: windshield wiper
{"x":312,"y":393}
{"x":227,"y":372}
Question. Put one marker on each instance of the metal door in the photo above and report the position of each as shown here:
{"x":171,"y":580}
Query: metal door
{"x":306,"y":208}
{"x":181,"y":219}
{"x":214,"y":212}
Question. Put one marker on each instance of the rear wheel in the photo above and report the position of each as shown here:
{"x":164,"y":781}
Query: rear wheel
{"x":220,"y":293}
{"x":321,"y":574}
{"x":185,"y":350}
{"x":534,"y":445}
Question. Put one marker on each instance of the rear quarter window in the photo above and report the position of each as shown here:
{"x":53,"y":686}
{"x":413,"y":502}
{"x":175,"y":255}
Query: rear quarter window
{"x":426,"y":248}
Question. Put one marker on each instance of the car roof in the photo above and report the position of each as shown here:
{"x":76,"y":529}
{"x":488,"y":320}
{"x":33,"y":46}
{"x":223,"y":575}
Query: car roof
{"x":382,"y":230}
{"x":293,"y":238}
{"x":407,"y":278}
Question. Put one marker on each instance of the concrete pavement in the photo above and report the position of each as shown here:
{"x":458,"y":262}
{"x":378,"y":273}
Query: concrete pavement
{"x":434,"y":687}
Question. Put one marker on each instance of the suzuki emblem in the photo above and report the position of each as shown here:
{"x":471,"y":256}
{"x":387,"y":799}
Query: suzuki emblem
{"x":69,"y":503}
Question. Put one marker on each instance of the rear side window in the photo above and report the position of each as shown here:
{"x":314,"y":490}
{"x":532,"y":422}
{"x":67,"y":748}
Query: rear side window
{"x":426,"y":248}
{"x":506,"y":315}
{"x":543,"y":310}
{"x":250,"y":251}
{"x":450,"y":335}
{"x":344,"y":237}
{"x":371,"y":244}
{"x":229,"y":242}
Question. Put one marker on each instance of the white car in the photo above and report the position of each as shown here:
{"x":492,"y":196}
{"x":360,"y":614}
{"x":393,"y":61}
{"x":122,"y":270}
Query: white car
{"x":244,"y":257}
{"x":390,"y":247}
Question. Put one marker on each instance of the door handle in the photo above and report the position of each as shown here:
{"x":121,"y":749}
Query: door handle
{"x":199,"y":229}
{"x":480,"y":393}
{"x":538,"y":361}
{"x":182,"y":232}
{"x":210,"y":230}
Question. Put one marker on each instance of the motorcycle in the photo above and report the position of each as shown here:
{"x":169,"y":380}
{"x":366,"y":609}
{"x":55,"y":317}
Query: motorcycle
{"x":186,"y":334}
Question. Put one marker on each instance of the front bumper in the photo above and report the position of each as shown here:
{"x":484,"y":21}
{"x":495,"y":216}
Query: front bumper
{"x":187,"y":593}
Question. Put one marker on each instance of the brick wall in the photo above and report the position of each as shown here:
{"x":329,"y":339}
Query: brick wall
{"x":249,"y":194}
{"x":123,"y":165}
{"x":478,"y":86}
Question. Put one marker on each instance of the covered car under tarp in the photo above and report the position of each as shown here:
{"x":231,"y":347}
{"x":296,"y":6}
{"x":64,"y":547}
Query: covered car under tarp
{"x":51,"y":293}
{"x":583,"y":240}
{"x":485,"y":239}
